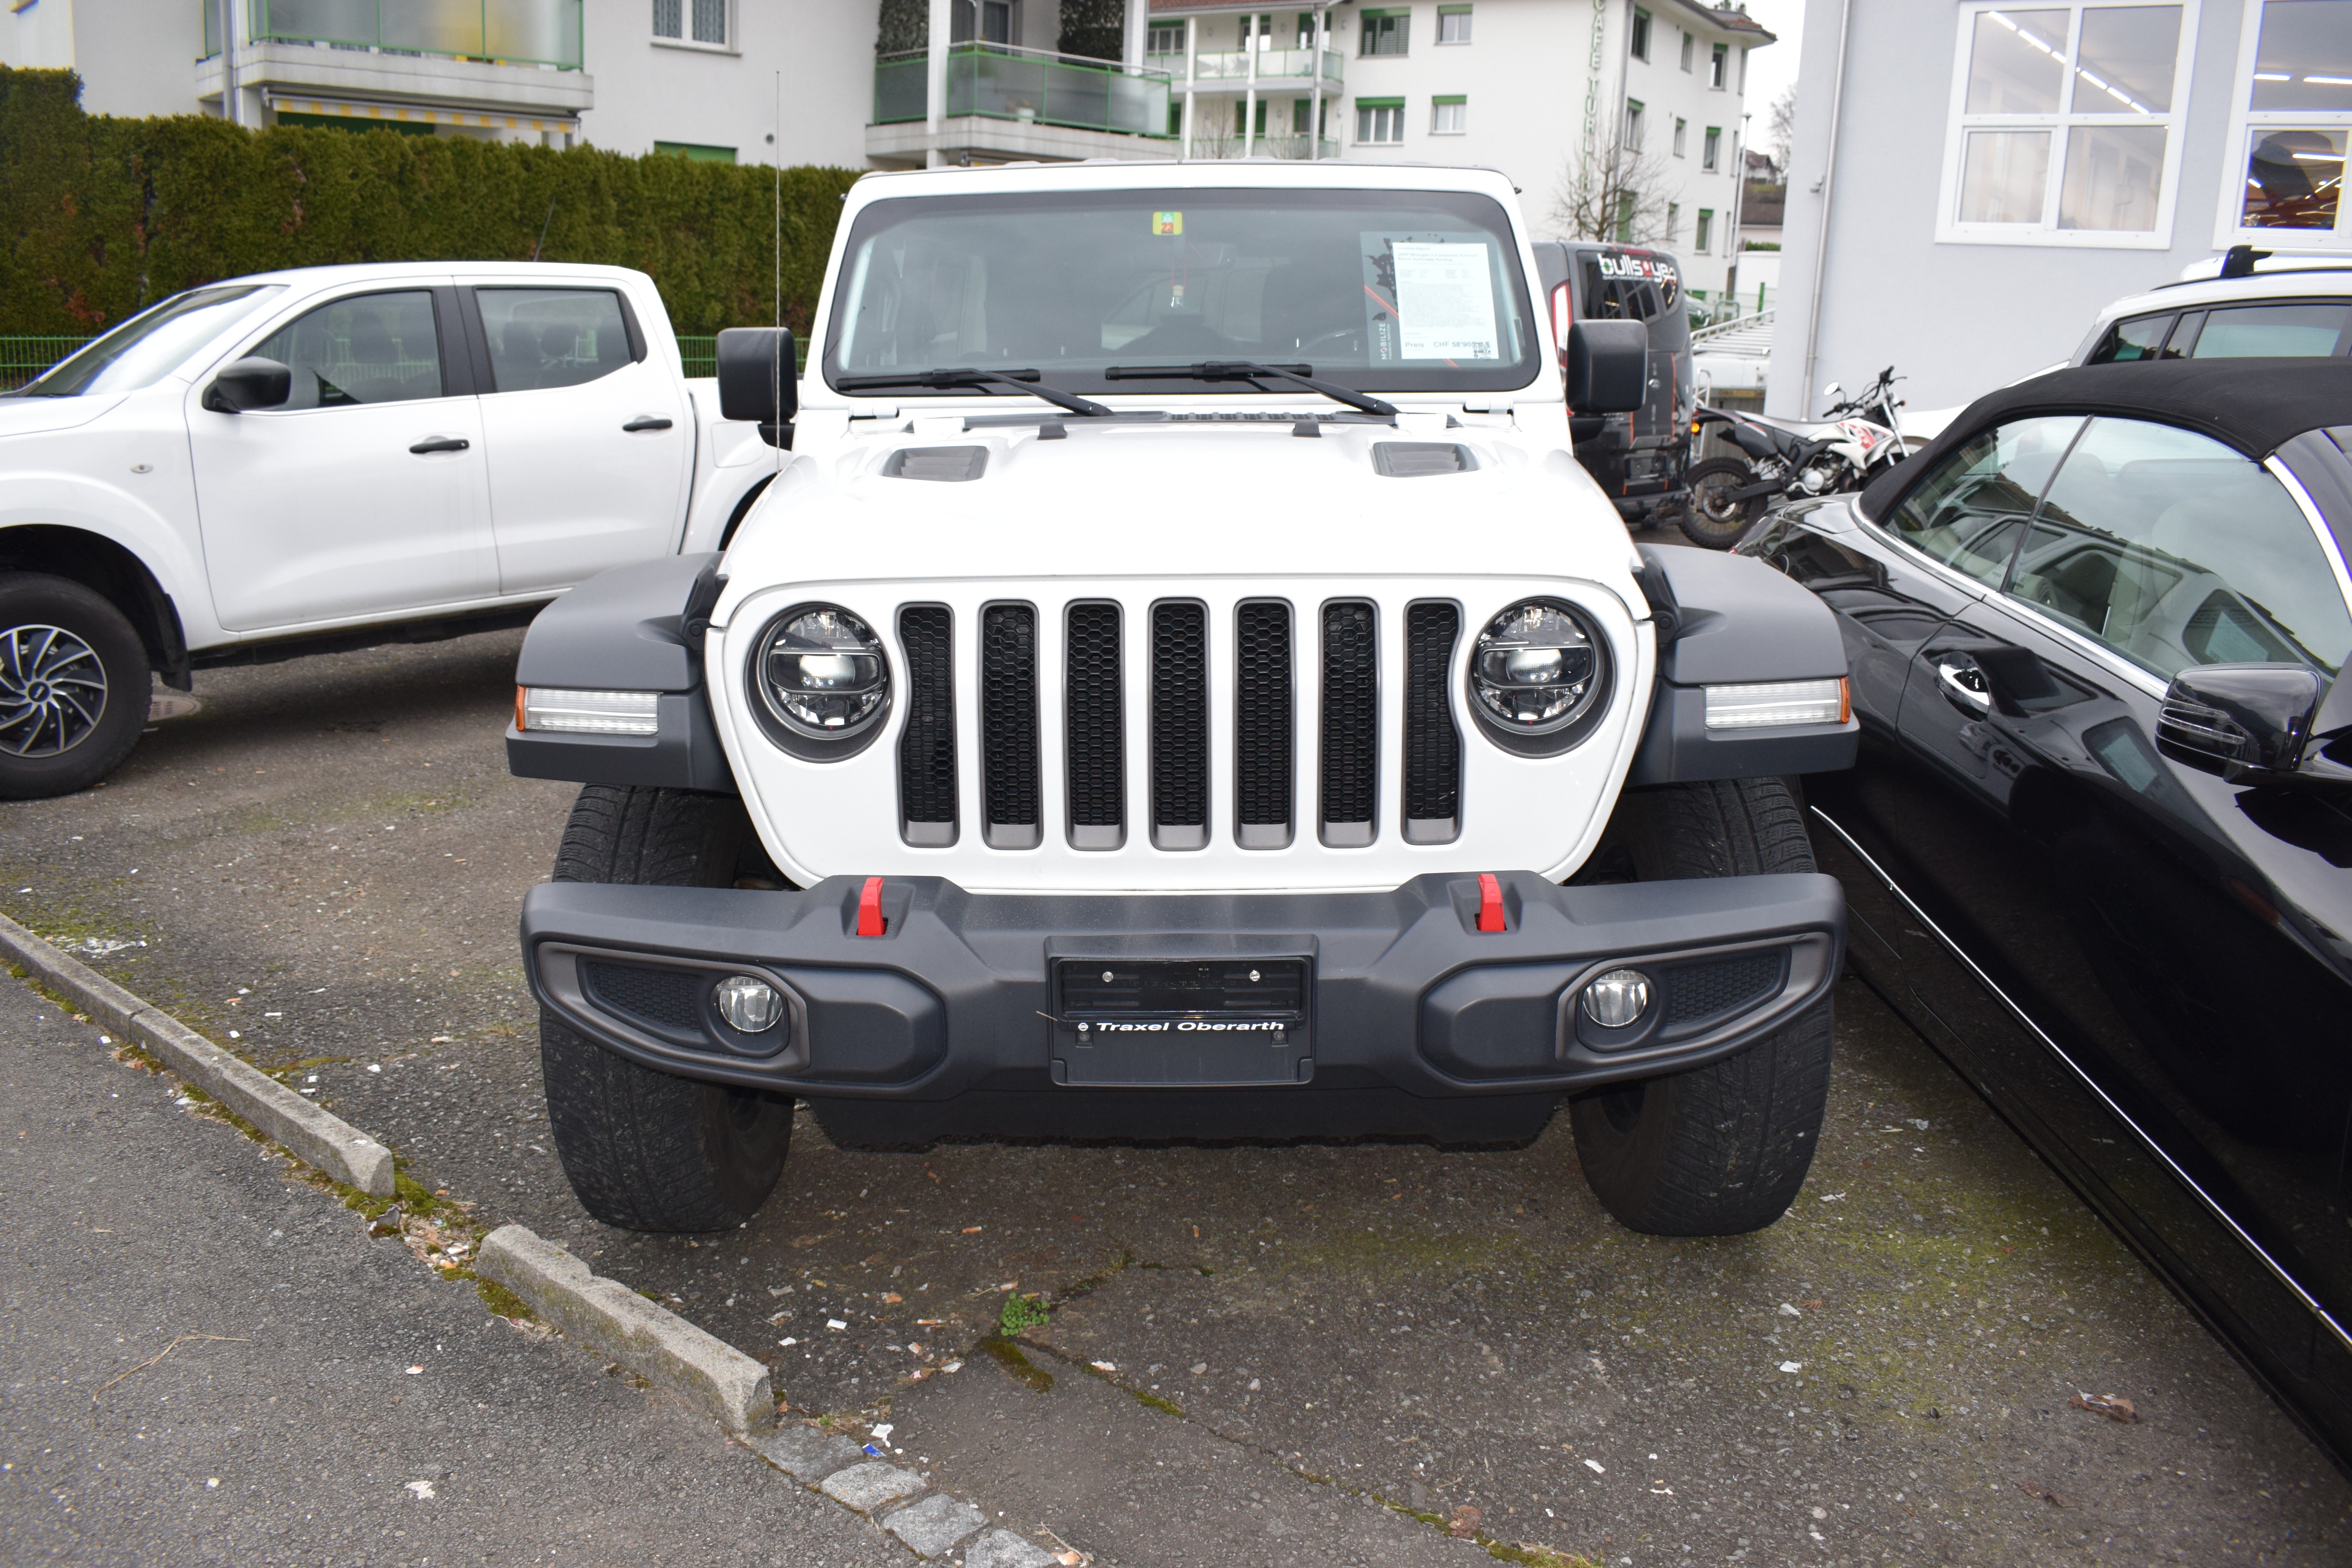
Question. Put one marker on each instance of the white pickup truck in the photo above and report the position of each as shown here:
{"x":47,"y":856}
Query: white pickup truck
{"x":330,"y":458}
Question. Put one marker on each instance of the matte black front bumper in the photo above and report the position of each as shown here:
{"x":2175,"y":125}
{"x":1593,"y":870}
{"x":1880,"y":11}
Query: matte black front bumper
{"x":1407,"y":997}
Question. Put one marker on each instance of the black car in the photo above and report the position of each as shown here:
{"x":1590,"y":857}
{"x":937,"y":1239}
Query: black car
{"x":2098,"y":846}
{"x":1637,"y":458}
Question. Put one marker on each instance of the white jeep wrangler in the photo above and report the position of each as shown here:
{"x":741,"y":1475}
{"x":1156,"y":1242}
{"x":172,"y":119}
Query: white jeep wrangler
{"x":1181,"y":685}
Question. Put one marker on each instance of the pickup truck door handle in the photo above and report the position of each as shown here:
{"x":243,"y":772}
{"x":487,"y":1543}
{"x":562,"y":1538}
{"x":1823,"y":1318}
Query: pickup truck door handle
{"x":646,"y":422}
{"x":432,"y":443}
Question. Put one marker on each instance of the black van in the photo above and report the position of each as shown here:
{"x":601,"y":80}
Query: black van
{"x":1637,"y":458}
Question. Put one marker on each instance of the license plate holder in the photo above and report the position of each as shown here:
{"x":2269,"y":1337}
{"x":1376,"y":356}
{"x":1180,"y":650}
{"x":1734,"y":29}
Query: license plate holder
{"x":1121,"y":1022}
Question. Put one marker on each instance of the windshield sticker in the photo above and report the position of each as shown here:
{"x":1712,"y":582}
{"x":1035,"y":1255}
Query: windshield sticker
{"x":1430,"y":297}
{"x":1167,"y":223}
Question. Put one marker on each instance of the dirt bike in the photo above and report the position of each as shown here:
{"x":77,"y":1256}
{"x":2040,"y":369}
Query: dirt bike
{"x":1791,"y":457}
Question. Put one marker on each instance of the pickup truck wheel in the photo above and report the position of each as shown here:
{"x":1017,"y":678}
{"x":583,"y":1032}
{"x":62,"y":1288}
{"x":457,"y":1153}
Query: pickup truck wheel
{"x":1722,"y":1149}
{"x":646,"y":1150}
{"x":74,"y":687}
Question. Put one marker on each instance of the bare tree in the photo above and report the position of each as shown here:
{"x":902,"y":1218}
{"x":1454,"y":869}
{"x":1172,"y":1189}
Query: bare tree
{"x":1618,"y":194}
{"x":1780,"y":130}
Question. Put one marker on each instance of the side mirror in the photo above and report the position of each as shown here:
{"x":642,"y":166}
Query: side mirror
{"x":758,"y":377}
{"x":1608,"y":366}
{"x":2245,"y":723}
{"x":249,"y":384}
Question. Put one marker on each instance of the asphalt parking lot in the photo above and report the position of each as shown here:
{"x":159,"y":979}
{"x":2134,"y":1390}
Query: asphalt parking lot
{"x":326,"y":859}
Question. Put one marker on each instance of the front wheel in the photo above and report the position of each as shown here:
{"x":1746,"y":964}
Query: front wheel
{"x":74,"y":687}
{"x":646,"y":1150}
{"x":1722,"y":1149}
{"x":1710,"y":517}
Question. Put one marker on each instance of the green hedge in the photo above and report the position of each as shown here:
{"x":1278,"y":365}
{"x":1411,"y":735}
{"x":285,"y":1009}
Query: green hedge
{"x":104,"y":216}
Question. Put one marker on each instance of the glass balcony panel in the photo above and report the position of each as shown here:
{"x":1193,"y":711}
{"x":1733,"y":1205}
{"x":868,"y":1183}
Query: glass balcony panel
{"x":996,"y":82}
{"x":1224,"y":65}
{"x":307,"y":21}
{"x":538,"y":31}
{"x":902,"y":88}
{"x":432,"y":27}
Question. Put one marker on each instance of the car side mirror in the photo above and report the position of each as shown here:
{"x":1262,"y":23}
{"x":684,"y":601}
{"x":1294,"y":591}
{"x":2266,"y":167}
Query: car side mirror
{"x":245,"y":383}
{"x":1608,"y":366}
{"x":2245,"y":723}
{"x":758,"y":378}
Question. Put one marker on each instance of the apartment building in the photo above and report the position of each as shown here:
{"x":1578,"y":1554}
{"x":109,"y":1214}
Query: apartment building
{"x":1537,"y":89}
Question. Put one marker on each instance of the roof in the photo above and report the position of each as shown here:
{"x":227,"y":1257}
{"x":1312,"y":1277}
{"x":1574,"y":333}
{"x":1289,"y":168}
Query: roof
{"x":2254,"y":406}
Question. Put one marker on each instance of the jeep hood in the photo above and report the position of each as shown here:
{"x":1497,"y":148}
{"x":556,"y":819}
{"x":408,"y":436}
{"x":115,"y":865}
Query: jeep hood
{"x":1147,"y":499}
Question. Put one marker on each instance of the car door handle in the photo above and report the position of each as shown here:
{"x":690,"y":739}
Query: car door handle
{"x":432,"y":443}
{"x":1963,"y":685}
{"x":646,"y":422}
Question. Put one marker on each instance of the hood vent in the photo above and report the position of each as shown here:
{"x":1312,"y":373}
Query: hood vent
{"x":951,"y":465}
{"x":1417,"y":459}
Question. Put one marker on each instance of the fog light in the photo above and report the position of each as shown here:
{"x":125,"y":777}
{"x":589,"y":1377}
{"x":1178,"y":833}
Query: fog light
{"x":1618,"y":999}
{"x":749,"y":1005}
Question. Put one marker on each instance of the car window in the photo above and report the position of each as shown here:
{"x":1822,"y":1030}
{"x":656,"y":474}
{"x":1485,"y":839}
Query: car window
{"x":1971,"y":510}
{"x":2142,"y":337}
{"x":152,"y":344}
{"x":553,"y":337}
{"x":2173,"y":550}
{"x":2308,"y":329}
{"x":364,"y":348}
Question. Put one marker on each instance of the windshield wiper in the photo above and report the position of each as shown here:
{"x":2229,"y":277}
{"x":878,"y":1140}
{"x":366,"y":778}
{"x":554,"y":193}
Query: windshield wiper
{"x":1026,"y":381}
{"x":1250,"y":371}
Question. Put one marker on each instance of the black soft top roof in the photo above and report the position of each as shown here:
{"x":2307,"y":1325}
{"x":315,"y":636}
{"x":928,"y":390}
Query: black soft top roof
{"x":2255,"y":406}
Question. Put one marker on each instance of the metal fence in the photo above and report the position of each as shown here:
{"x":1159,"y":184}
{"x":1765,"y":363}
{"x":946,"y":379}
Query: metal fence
{"x":22,"y":359}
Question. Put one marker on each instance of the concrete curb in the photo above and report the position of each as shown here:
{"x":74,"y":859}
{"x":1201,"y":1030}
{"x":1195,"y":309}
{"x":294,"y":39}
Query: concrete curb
{"x":318,"y":1137}
{"x":647,"y":1339}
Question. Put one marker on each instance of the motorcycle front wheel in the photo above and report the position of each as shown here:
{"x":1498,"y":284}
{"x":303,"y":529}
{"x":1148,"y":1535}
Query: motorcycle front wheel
{"x":1711,"y":517}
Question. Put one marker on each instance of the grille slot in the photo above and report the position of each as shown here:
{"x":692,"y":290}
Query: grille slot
{"x":1350,"y":732}
{"x":1433,"y":745}
{"x":950,"y":465}
{"x":1008,"y":727}
{"x":1703,"y":990}
{"x":1097,"y":742}
{"x":662,"y":1001}
{"x":1180,"y":726}
{"x":1418,"y":460}
{"x":1264,"y":742}
{"x":926,"y":751}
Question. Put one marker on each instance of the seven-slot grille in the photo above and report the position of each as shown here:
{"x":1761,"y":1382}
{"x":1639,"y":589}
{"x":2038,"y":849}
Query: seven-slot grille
{"x":1192,"y":654}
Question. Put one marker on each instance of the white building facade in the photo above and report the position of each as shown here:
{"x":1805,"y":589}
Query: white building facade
{"x":1534,"y":88}
{"x":2021,"y":167}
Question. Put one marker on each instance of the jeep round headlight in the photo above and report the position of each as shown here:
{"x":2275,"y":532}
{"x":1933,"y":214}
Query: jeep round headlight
{"x":821,"y":672}
{"x":1536,"y":669}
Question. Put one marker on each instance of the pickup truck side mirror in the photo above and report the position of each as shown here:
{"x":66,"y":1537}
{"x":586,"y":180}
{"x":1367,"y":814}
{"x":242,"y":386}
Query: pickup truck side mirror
{"x":249,"y":384}
{"x":1608,"y":366}
{"x":2246,"y":724}
{"x":758,"y":377}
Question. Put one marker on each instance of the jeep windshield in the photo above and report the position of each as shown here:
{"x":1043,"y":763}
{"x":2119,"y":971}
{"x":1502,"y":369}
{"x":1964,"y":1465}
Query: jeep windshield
{"x":1375,"y":291}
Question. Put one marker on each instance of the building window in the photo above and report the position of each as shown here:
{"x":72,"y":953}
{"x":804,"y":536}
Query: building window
{"x":1711,"y":147}
{"x":1705,"y":233}
{"x":1717,"y":67}
{"x":695,"y":151}
{"x":1689,"y":41}
{"x":1242,"y":118}
{"x":1386,"y":32}
{"x":1380,"y":122}
{"x":2064,"y":124}
{"x":1680,"y":125}
{"x":2290,"y":128}
{"x":1449,"y":116}
{"x":1641,"y":35}
{"x":701,"y":22}
{"x":1635,"y":118}
{"x":1454,"y":24}
{"x":1165,"y":41}
{"x":1674,"y":221}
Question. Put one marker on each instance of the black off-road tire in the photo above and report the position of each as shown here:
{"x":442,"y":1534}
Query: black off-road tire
{"x":1706,"y":517}
{"x":58,"y":638}
{"x":646,"y":1150}
{"x":1720,"y":1149}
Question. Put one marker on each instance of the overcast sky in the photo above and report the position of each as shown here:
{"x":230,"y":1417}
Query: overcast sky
{"x":1774,"y":67}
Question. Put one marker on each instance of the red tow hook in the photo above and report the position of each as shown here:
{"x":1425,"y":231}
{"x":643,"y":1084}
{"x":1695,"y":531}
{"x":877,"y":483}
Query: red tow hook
{"x":869,"y":907}
{"x":1490,"y":904}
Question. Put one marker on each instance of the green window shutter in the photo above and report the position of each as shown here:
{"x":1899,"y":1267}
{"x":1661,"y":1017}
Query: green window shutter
{"x":1380,"y":103}
{"x":695,"y":151}
{"x":1452,"y":97}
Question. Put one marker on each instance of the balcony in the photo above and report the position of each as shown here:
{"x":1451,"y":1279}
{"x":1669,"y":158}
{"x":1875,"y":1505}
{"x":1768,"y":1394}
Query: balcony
{"x":506,"y":32}
{"x":998,"y":81}
{"x":1212,"y":148}
{"x":1230,"y":68}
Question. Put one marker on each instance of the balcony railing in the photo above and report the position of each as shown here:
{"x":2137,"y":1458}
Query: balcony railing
{"x":1227,"y":67}
{"x":508,"y":32}
{"x":997,"y":81}
{"x":1299,"y":147}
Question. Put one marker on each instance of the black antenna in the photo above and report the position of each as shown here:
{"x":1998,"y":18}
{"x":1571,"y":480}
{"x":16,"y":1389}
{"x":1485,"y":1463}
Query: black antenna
{"x":543,"y":228}
{"x":776,"y":374}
